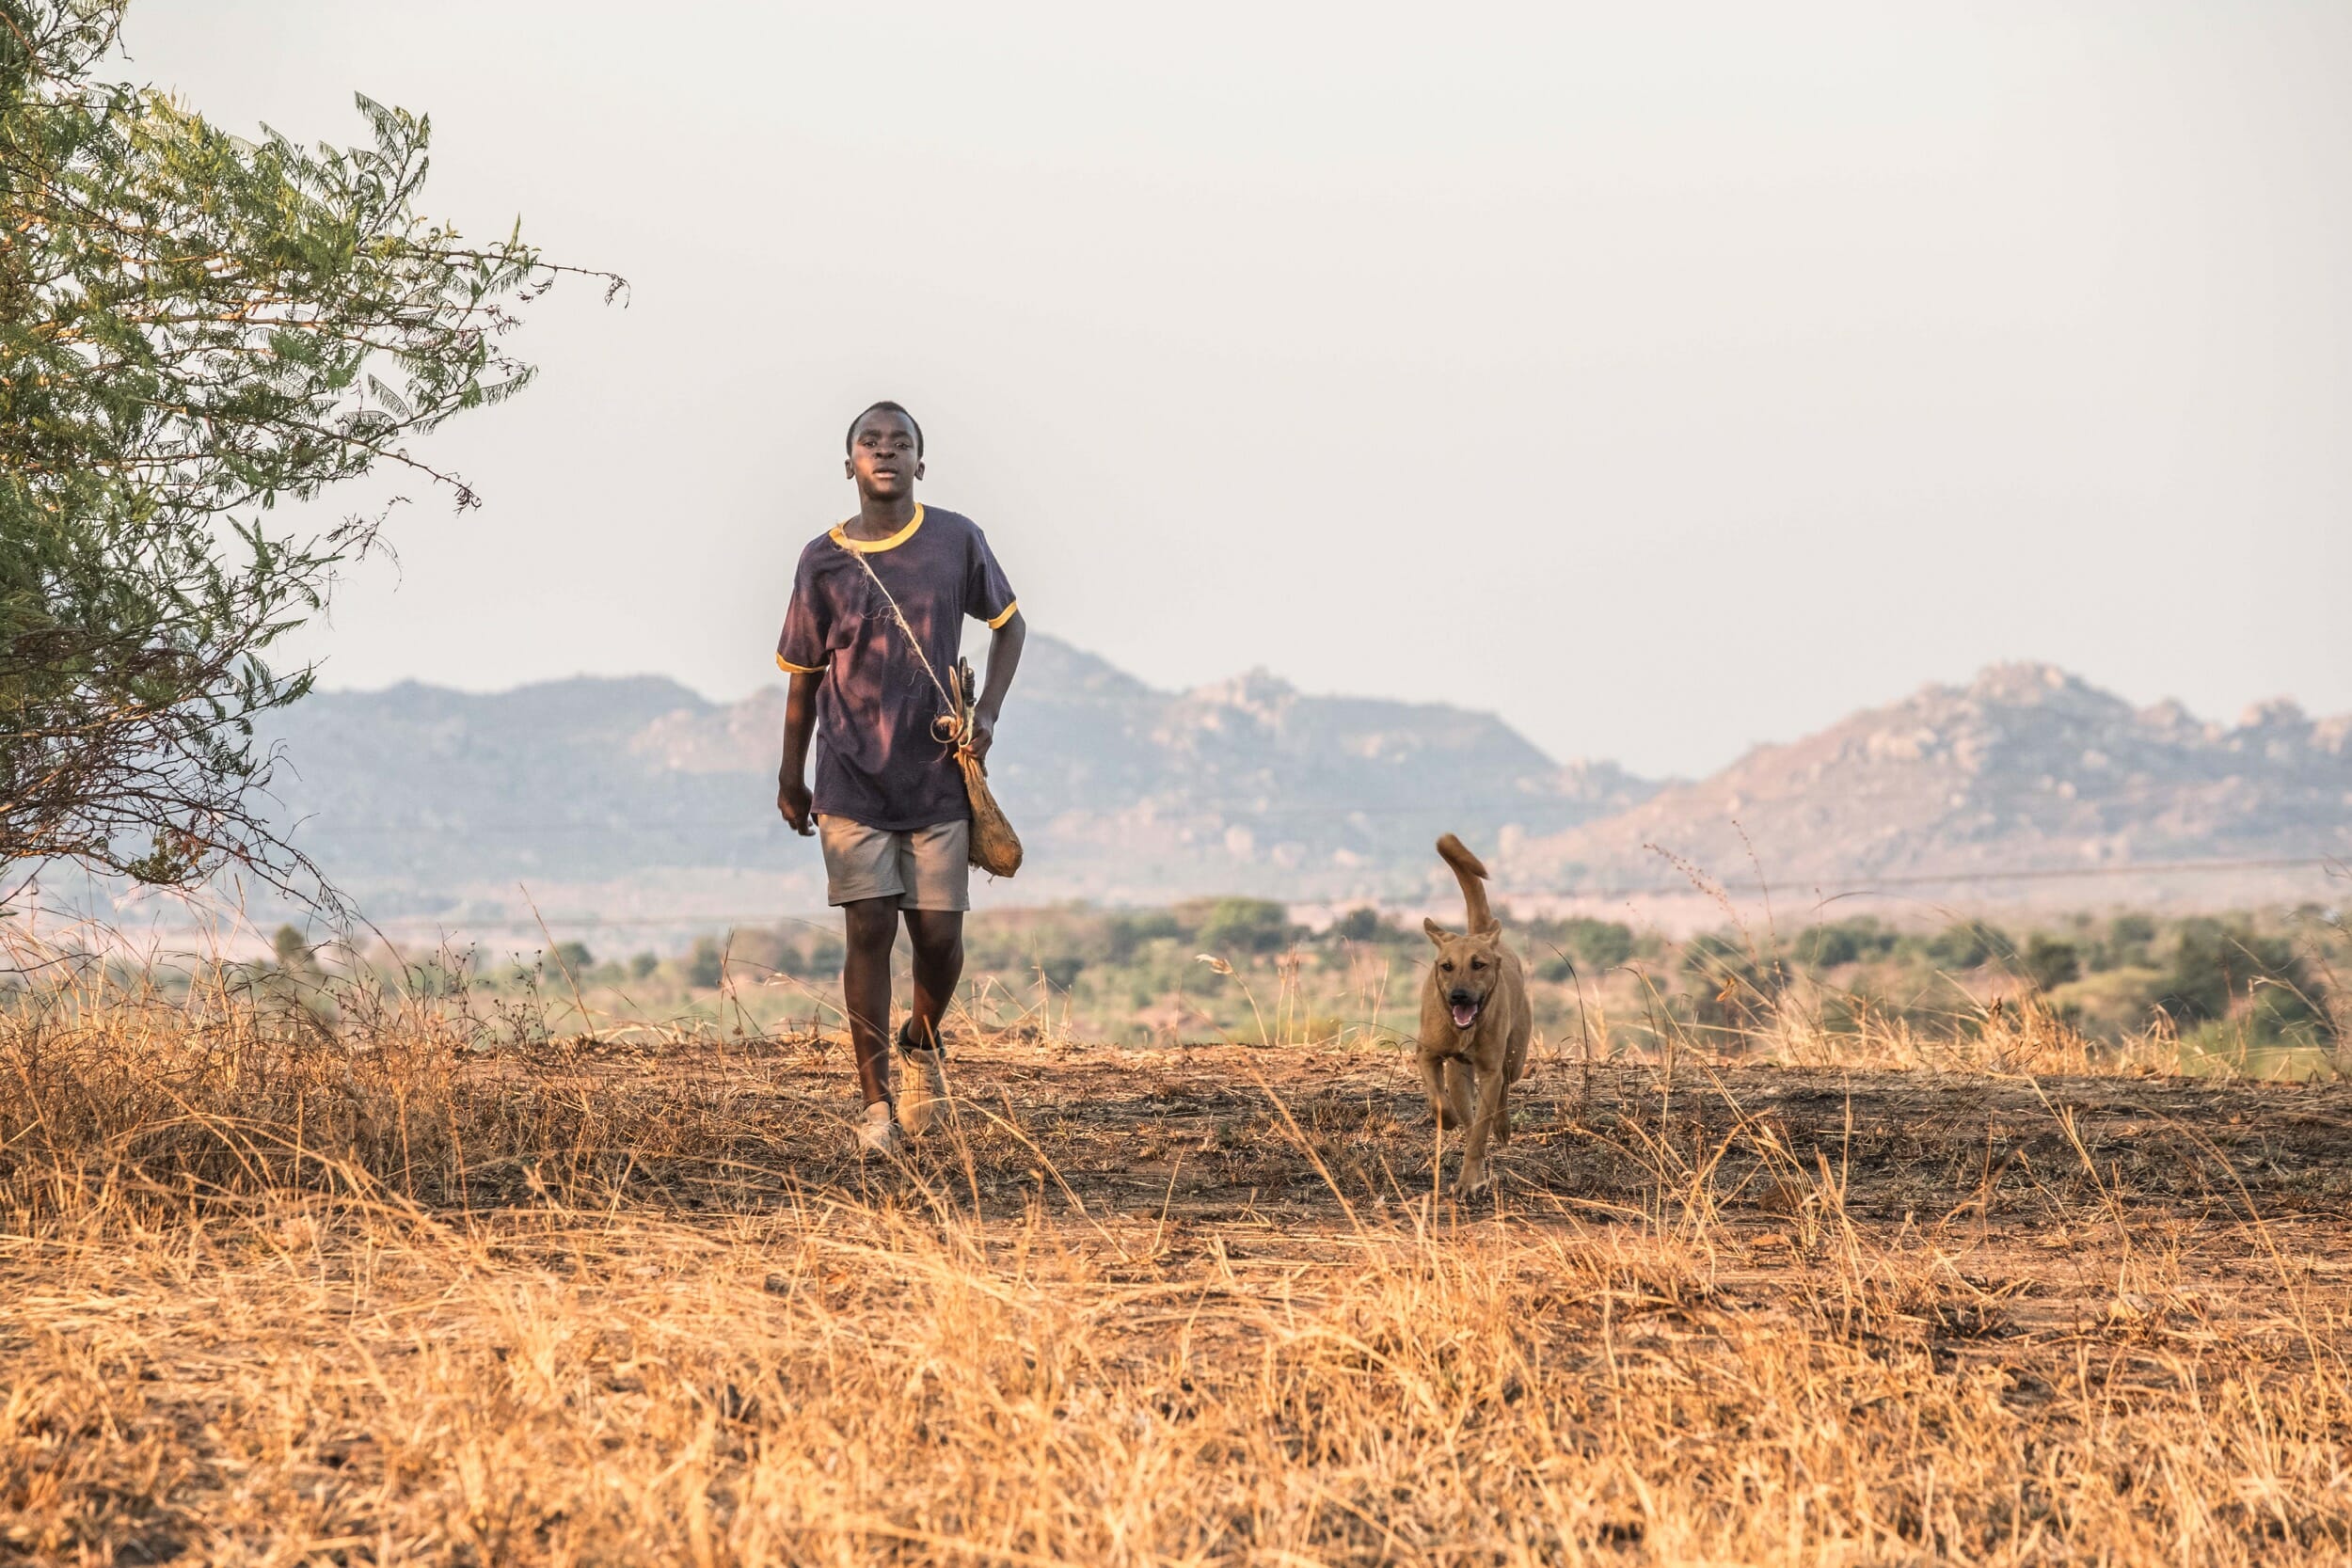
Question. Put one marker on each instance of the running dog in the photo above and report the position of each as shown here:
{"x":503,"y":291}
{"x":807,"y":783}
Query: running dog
{"x":1474,"y":1022}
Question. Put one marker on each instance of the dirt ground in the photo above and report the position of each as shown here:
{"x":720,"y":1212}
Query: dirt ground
{"x":1222,"y":1132}
{"x":2057,"y":1180}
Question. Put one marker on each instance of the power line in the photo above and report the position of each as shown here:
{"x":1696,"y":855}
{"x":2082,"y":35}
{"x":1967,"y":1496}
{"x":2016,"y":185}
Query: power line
{"x":1945,"y":879}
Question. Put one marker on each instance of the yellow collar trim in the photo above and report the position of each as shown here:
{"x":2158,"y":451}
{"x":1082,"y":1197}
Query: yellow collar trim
{"x":870,"y":546}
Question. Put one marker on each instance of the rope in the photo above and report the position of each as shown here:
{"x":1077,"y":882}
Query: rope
{"x":950,"y":727}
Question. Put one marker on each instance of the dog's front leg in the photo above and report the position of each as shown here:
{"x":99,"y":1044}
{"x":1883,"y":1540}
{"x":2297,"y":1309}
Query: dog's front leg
{"x":1474,"y":1173}
{"x":1458,"y":1092}
{"x":1433,"y":1080}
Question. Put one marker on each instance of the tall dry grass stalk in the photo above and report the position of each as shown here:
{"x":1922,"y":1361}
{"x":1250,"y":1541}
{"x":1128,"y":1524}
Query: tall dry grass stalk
{"x":280,"y":1292}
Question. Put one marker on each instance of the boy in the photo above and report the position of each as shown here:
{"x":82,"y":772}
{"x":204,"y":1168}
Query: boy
{"x":889,"y":808}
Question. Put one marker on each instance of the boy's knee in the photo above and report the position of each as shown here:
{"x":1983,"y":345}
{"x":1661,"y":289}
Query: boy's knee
{"x":935,"y":933}
{"x":870,"y":923}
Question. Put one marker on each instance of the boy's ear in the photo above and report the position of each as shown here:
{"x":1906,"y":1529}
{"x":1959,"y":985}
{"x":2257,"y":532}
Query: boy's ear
{"x":1437,"y":932}
{"x":918,"y":467}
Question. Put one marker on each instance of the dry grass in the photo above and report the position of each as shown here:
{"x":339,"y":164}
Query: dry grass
{"x":279,"y":1293}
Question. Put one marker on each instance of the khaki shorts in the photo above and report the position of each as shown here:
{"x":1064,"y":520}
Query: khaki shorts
{"x":923,"y":868}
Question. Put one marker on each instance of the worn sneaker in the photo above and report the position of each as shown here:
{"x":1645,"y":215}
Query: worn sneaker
{"x":878,"y":1130}
{"x":922,"y":1099}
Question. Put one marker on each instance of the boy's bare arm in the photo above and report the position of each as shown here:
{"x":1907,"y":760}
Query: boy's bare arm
{"x":800,"y":722}
{"x":1004,"y":658}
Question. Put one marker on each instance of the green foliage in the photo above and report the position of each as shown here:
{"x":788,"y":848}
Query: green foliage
{"x":1558,"y":950}
{"x":1126,"y":934}
{"x":575,"y":957}
{"x":2050,"y":962}
{"x":1360,"y":925}
{"x":1234,"y":926}
{"x":1967,"y":944}
{"x":1843,"y":941}
{"x":642,"y":965}
{"x":704,"y":965}
{"x":2129,"y":943}
{"x":291,"y":951}
{"x":2228,"y":969}
{"x":194,"y":328}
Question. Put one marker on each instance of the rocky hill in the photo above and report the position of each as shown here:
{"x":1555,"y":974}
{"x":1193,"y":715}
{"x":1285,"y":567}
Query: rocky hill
{"x":637,"y":800}
{"x":2025,"y":770}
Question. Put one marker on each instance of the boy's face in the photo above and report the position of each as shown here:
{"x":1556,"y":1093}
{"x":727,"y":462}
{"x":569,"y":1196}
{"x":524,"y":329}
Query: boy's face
{"x":882,"y":456}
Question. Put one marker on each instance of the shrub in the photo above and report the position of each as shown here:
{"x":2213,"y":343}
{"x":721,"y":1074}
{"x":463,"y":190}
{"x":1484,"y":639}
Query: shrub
{"x":1967,"y":944}
{"x":2050,"y":962}
{"x":1245,"y":925}
{"x":1128,"y":933}
{"x":2223,"y":969}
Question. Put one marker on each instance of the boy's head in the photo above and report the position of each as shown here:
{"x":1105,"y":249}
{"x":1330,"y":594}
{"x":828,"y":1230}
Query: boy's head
{"x":886,"y":451}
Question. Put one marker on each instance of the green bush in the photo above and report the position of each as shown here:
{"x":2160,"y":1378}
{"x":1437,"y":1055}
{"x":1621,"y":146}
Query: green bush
{"x":1843,"y":941}
{"x":1244,"y":925}
{"x":1128,"y":933}
{"x":2050,"y":962}
{"x":2227,"y":969}
{"x":1968,"y":944}
{"x":2130,"y":942}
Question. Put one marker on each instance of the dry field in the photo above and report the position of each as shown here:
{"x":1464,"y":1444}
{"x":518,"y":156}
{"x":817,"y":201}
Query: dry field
{"x":272,"y":1293}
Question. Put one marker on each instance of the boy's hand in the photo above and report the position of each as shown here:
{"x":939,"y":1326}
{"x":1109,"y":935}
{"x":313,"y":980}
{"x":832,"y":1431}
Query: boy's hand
{"x":983,"y":736}
{"x":794,"y":801}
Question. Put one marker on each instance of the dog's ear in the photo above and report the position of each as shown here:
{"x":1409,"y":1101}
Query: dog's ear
{"x":1437,"y":932}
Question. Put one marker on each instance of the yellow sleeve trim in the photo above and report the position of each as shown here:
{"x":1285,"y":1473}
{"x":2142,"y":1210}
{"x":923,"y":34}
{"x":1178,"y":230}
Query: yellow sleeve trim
{"x":870,"y":546}
{"x":791,"y":668}
{"x":1010,"y":611}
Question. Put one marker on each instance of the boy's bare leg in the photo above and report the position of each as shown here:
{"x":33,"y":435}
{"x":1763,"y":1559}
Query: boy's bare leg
{"x":938,"y":939}
{"x":937,"y":936}
{"x":872,"y":927}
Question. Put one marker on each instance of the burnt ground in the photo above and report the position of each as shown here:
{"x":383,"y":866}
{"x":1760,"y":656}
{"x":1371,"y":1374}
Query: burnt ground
{"x":1228,"y":1132}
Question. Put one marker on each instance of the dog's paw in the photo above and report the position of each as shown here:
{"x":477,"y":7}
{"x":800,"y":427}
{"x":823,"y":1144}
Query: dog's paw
{"x":1474,"y":1181}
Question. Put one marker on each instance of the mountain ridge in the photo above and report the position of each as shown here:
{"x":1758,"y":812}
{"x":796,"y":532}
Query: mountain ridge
{"x":635,"y":793}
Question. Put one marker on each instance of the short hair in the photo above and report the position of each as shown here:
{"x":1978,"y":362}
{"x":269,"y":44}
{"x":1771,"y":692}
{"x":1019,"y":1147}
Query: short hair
{"x":849,"y":442}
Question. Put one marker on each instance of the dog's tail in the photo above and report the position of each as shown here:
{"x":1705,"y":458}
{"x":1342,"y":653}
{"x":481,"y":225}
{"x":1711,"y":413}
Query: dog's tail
{"x":1471,"y":873}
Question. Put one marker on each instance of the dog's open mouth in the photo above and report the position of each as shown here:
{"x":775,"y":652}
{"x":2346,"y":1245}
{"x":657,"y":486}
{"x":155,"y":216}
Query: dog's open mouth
{"x":1465,"y":1014}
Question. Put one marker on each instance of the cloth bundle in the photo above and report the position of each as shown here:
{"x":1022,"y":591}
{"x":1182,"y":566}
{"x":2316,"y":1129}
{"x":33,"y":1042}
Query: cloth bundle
{"x":995,"y":848}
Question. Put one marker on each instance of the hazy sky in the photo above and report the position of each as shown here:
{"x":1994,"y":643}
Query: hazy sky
{"x":1666,"y":378}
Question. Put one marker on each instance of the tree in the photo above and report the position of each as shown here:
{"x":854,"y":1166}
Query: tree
{"x":195,"y":329}
{"x":1245,"y":925}
{"x":2051,"y":961}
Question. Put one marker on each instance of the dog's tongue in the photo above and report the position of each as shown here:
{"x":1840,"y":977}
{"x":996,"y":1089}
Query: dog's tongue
{"x":1464,"y":1017}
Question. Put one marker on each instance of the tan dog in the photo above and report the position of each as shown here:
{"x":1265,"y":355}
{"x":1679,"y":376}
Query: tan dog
{"x":1475,"y":1022}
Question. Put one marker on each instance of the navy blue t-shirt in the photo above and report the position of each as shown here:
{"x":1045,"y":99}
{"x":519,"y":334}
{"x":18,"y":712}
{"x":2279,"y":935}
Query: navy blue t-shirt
{"x":878,"y":759}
